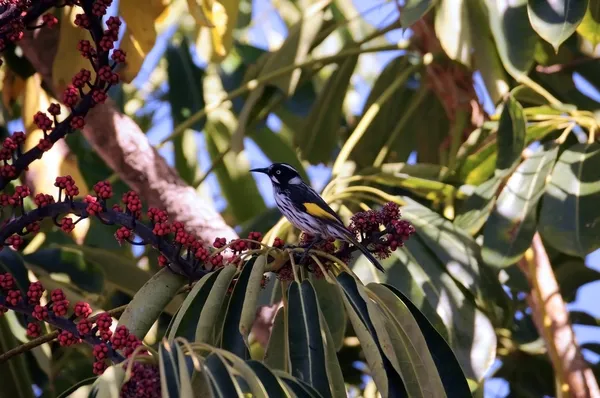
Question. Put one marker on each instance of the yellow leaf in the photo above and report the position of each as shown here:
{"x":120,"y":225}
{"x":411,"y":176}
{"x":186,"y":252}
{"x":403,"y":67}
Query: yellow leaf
{"x":12,"y":88}
{"x":140,"y":35}
{"x":197,"y":12}
{"x":213,"y":44}
{"x":58,"y":161}
{"x":68,"y":61}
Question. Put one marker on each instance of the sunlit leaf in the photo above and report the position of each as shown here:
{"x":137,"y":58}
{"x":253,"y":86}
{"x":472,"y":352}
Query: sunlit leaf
{"x":214,"y":43}
{"x":589,"y":28}
{"x":514,"y":36}
{"x":555,"y":20}
{"x":413,"y":10}
{"x":570,"y":204}
{"x":140,"y":34}
{"x":150,"y":301}
{"x":512,"y":224}
{"x":453,"y":28}
{"x":67,"y":61}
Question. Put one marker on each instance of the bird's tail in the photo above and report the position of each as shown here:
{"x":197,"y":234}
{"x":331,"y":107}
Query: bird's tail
{"x":350,"y":237}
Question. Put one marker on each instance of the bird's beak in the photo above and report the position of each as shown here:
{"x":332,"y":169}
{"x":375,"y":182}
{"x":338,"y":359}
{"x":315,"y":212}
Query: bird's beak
{"x":263,"y":170}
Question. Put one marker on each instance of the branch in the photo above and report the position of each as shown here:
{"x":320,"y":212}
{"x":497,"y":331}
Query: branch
{"x":168,"y":249}
{"x":125,"y":148}
{"x":552,"y":321}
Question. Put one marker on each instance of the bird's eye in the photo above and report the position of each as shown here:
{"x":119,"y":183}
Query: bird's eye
{"x":278,"y":172}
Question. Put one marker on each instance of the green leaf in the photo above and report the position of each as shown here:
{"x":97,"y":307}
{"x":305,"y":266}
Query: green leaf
{"x":515,"y":38}
{"x":267,"y":378}
{"x":207,"y":328}
{"x":17,"y":378}
{"x":277,"y":149}
{"x":297,"y":387}
{"x":320,"y":133}
{"x":455,"y":383}
{"x":456,"y":251}
{"x":332,"y":308}
{"x":236,"y":183}
{"x":383,"y":371}
{"x":583,"y":318}
{"x":511,"y":135}
{"x":84,"y":274}
{"x":232,"y":339}
{"x":169,"y":370}
{"x":572,"y":274}
{"x":570,"y":213}
{"x":556,"y":20}
{"x":485,"y":56}
{"x":414,"y":10}
{"x":253,"y":289}
{"x":453,"y":28}
{"x":148,"y":303}
{"x":185,"y":322}
{"x":222,"y":381}
{"x":307,"y":353}
{"x":511,"y":226}
{"x":589,"y":28}
{"x":116,"y":268}
{"x":186,"y":98}
{"x":412,"y":340}
{"x":478,"y":206}
{"x":277,"y":353}
{"x":416,"y":364}
{"x":418,"y":274}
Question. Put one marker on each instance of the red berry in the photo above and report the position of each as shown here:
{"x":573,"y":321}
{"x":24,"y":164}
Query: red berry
{"x":7,"y":281}
{"x":42,"y":199}
{"x":77,"y":123}
{"x":35,"y":291}
{"x":118,"y":56}
{"x":54,"y":109}
{"x":82,"y":309}
{"x":104,"y":321}
{"x":60,"y":308}
{"x":99,"y":367}
{"x":33,"y":330}
{"x":84,"y":327}
{"x":45,"y":145}
{"x":162,"y":261}
{"x":70,"y":96}
{"x":49,"y":20}
{"x":103,"y":189}
{"x":40,"y":312}
{"x":13,"y":297}
{"x":66,"y":338}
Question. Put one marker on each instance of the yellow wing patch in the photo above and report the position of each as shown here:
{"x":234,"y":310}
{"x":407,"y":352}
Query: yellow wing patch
{"x":315,"y":210}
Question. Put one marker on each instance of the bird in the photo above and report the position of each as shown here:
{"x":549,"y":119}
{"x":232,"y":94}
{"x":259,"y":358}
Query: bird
{"x":306,"y":210}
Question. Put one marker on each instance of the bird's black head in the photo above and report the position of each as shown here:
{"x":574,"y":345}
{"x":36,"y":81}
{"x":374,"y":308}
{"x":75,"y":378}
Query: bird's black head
{"x":281,"y":174}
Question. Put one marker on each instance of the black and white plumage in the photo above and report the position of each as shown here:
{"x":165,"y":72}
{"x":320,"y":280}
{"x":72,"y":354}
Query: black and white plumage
{"x":306,"y":210}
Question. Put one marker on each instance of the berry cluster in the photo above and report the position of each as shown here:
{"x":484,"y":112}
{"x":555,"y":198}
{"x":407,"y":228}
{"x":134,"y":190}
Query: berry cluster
{"x":382,"y":229}
{"x":75,"y":325}
{"x":81,"y":95}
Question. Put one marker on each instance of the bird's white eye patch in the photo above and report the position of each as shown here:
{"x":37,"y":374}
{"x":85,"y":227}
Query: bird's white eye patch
{"x":295,"y":181}
{"x":274,"y":179}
